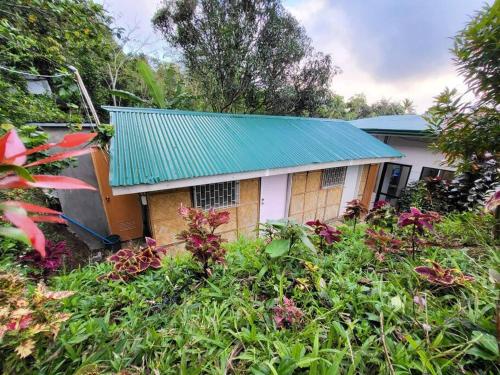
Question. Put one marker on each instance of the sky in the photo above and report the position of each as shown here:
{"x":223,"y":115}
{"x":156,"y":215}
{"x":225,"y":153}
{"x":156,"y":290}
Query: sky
{"x":391,"y":49}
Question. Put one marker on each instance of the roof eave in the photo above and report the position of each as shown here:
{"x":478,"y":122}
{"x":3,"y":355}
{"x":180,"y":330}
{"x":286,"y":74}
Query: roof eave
{"x":413,"y":133}
{"x":175,"y":184}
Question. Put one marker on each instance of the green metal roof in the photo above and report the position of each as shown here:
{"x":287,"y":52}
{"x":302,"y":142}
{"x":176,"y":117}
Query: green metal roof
{"x":152,"y":145}
{"x":394,"y":125}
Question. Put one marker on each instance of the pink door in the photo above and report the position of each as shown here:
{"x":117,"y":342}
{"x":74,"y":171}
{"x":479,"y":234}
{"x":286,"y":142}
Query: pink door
{"x":273,"y":192}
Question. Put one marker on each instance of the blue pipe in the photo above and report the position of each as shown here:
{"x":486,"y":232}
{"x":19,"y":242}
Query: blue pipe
{"x":92,"y":232}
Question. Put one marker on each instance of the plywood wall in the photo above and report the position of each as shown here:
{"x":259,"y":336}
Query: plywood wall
{"x":309,"y":201}
{"x":166,"y":223}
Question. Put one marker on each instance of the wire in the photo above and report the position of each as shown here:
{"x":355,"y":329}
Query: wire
{"x":34,"y":75}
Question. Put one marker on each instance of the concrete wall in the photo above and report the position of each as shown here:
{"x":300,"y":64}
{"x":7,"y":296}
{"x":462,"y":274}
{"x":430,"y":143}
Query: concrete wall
{"x":309,"y":201}
{"x":83,"y":205}
{"x":166,"y":223}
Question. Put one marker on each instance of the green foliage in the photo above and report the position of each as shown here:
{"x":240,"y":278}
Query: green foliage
{"x":357,"y":107}
{"x":44,"y":37}
{"x":28,"y":320}
{"x":477,"y":54}
{"x":247,"y":56}
{"x":156,"y":91}
{"x":167,"y":321}
{"x":467,"y":129}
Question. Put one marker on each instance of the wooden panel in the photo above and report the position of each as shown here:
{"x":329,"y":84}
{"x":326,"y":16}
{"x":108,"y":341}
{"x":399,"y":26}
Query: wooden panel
{"x":123,"y":212}
{"x":370,"y":184}
{"x":166,"y":222}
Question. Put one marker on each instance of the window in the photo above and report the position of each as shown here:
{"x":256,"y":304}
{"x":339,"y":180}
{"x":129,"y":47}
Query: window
{"x":219,"y":195}
{"x":333,"y":177}
{"x":435,"y":172}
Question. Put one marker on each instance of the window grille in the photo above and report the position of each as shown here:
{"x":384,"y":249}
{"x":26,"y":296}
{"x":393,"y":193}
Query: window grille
{"x":333,"y":177}
{"x":219,"y":195}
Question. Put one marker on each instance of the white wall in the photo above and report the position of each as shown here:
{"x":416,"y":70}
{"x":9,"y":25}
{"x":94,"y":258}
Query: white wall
{"x":417,"y":153}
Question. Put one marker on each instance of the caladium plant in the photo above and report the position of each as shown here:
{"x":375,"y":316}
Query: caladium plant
{"x":128,"y":263}
{"x":326,"y":233}
{"x":382,"y":243}
{"x":200,"y":237}
{"x":419,"y":222}
{"x":354,"y":210}
{"x":287,"y":314}
{"x":438,"y":275}
{"x":15,"y":174}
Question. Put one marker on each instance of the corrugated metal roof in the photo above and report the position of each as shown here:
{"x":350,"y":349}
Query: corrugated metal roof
{"x":152,"y":146}
{"x":395,"y":123}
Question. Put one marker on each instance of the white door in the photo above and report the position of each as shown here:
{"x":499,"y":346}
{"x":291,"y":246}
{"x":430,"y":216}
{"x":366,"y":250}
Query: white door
{"x":273,"y":192}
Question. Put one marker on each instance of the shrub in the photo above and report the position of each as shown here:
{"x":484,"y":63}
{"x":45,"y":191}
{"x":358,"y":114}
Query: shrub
{"x":382,"y":215}
{"x":286,"y":314}
{"x":27,"y":320}
{"x":354,"y":210}
{"x":443,"y":276}
{"x":325,"y":232}
{"x":382,"y":243}
{"x":282,"y":235}
{"x":53,"y":260}
{"x":200,"y":237}
{"x":418,"y":222}
{"x":128,"y":263}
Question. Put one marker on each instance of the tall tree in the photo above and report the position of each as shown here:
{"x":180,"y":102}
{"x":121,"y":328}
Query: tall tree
{"x":468,"y":131}
{"x":249,"y":56}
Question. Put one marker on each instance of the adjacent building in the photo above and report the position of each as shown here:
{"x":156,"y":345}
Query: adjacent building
{"x":410,"y":135}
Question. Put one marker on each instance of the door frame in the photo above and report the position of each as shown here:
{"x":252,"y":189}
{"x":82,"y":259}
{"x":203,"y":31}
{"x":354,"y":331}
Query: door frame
{"x":382,"y":176}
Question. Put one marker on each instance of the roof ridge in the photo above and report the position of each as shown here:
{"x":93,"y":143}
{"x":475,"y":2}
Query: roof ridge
{"x":202,"y":113}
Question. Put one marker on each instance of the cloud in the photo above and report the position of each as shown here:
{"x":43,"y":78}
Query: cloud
{"x":388,"y":48}
{"x":391,"y":49}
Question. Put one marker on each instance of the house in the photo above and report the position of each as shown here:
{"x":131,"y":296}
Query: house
{"x":257,"y":167}
{"x":410,"y":135}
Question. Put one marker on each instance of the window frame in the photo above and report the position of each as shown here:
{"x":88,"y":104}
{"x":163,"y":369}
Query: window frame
{"x":228,"y":200}
{"x":324,"y":178}
{"x":440,"y":170}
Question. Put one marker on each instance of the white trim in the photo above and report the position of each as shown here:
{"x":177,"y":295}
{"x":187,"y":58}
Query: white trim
{"x":175,"y":184}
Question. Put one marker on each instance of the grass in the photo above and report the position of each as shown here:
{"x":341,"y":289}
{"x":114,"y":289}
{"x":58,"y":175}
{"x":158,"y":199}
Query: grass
{"x":359,"y":315}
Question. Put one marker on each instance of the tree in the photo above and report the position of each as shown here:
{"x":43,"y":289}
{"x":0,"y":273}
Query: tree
{"x":467,"y":132}
{"x":247,"y":56}
{"x":45,"y":36}
{"x":357,"y":107}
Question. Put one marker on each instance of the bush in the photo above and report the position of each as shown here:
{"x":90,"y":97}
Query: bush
{"x":167,"y":321}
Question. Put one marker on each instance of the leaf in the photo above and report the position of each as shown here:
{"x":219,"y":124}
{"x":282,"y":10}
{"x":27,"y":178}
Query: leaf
{"x":31,"y":207}
{"x":44,"y":181}
{"x":277,"y":248}
{"x":396,"y":303}
{"x":307,"y":242}
{"x":75,"y":139}
{"x":59,"y":156}
{"x":155,"y":90}
{"x":25,"y":348}
{"x":23,"y":222}
{"x":486,"y":347}
{"x":12,"y":150}
{"x":20,"y":171}
{"x":16,"y":234}
{"x":127,"y":95}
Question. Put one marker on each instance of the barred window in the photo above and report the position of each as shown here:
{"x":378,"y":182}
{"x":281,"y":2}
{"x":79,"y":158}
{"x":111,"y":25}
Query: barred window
{"x":219,"y":195}
{"x":333,"y":177}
